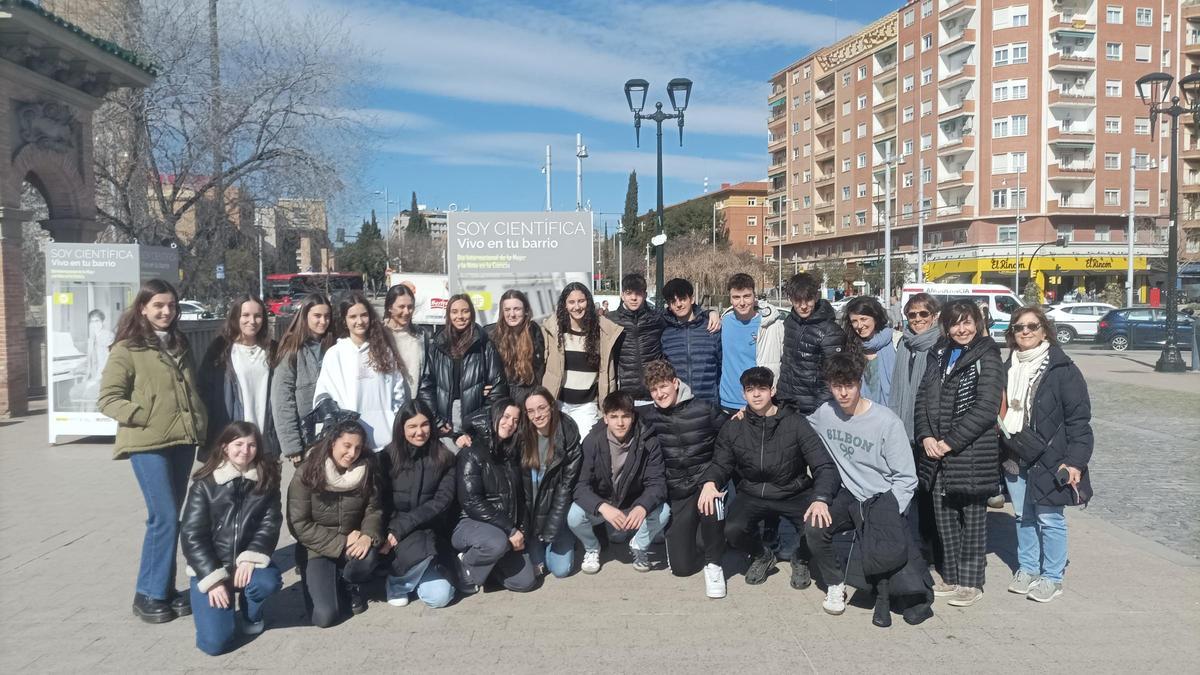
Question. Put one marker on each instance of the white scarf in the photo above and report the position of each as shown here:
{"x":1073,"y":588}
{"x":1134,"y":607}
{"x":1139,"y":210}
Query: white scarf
{"x":337,"y":481}
{"x":1021,"y":371}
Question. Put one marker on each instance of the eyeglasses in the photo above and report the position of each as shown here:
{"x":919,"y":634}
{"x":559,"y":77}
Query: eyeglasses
{"x":919,"y":314}
{"x":1026,"y":327}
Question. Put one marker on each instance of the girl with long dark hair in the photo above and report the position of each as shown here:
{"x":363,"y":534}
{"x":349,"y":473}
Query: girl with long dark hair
{"x":297,"y":366}
{"x":361,"y":371}
{"x":235,"y":373}
{"x":462,"y":369}
{"x":580,"y":348}
{"x":149,"y":388}
{"x":333,"y":511}
{"x":869,"y":334}
{"x":551,"y":457}
{"x":418,"y":472}
{"x":489,"y":535}
{"x":411,"y":341}
{"x":520,"y":343}
{"x":229,"y":530}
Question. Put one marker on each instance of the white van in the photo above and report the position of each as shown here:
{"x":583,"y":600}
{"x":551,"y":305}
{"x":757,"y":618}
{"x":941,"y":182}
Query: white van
{"x":1000,"y":300}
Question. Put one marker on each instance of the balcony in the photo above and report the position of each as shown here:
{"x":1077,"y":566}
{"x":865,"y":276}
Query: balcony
{"x":1190,"y":153}
{"x":1070,"y":203}
{"x":885,"y":100}
{"x":885,"y":73}
{"x":775,"y":142}
{"x":964,"y":72}
{"x":1072,"y":170}
{"x":821,"y":207}
{"x":1189,"y":187}
{"x":953,"y":211}
{"x":966,"y":37}
{"x":948,"y":180}
{"x":826,"y":179}
{"x":955,"y":144}
{"x":958,"y":106}
{"x":1074,"y":62}
{"x":776,"y":165}
{"x":1191,"y":9}
{"x":1073,"y":97}
{"x":953,"y":8}
{"x":776,"y":92}
{"x":1074,"y":135}
{"x":1191,"y":46}
{"x":1071,"y":25}
{"x":824,"y":153}
{"x":776,"y":116}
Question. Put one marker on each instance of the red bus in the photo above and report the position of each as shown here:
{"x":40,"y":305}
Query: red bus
{"x":282,"y":289}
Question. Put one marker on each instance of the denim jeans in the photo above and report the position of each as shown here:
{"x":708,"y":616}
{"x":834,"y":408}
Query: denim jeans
{"x":581,"y":523}
{"x":427,"y":580}
{"x":215,"y":627}
{"x":163,"y":477}
{"x":1041,"y":532}
{"x":558,"y":555}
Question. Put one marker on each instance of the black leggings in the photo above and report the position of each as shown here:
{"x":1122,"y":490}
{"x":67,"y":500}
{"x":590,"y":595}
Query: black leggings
{"x":681,"y":536}
{"x":320,"y":577}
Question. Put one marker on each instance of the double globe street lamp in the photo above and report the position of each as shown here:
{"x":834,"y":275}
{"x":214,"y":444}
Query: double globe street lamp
{"x":1154,"y":90}
{"x":680,"y":91}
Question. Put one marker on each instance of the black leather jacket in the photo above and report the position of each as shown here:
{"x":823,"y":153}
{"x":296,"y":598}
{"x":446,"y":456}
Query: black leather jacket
{"x":480,"y":367}
{"x":640,"y":343}
{"x":807,"y":343}
{"x":224,"y":519}
{"x":546,"y":515}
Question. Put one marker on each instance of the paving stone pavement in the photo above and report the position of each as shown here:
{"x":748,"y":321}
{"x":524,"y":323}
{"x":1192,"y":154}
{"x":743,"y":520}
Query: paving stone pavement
{"x":71,"y":524}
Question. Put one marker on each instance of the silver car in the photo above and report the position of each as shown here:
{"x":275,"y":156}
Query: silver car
{"x":1074,"y":320}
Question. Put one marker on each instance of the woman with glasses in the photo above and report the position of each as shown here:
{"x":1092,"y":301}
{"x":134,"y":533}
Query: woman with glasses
{"x":955,"y":424}
{"x":1046,"y":423}
{"x":551,"y":458}
{"x":919,"y":336}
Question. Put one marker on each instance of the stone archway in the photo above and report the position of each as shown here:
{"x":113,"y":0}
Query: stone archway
{"x":53,"y":76}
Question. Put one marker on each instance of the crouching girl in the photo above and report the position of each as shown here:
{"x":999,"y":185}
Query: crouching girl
{"x":229,"y":530}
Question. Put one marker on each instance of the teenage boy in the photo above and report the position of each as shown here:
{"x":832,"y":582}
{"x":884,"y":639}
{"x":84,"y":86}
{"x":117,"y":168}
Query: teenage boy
{"x":746,"y":341}
{"x":811,"y":335}
{"x":686,"y":428}
{"x":771,"y":449}
{"x":621,"y":484}
{"x":641,"y":340}
{"x":692,"y":349}
{"x":874,"y":460}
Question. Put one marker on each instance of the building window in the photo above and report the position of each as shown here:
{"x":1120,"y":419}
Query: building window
{"x":1141,"y":161}
{"x":1141,"y":126}
{"x":862,"y":189}
{"x":1112,"y":88}
{"x":845,"y":226}
{"x":1112,"y":197}
{"x":1006,"y":234}
{"x":1017,"y":160}
{"x":1141,"y":198}
{"x":807,"y":72}
{"x":1112,"y":51}
{"x":1000,"y":127}
{"x":926,"y":141}
{"x":926,"y":205}
{"x":1112,"y":160}
{"x":862,"y":101}
{"x":926,"y":175}
{"x":862,"y":159}
{"x":1017,"y":198}
{"x":1000,"y":91}
{"x":1020,"y":16}
{"x":999,"y":199}
{"x":861,"y":130}
{"x":752,"y":239}
{"x":845,"y":107}
{"x":1141,"y":53}
{"x":752,"y":201}
{"x":808,"y":97}
{"x":807,"y":202}
{"x":907,"y":211}
{"x":1143,"y":16}
{"x":1020,"y":90}
{"x":807,"y":123}
{"x":907,"y":148}
{"x":1000,"y":56}
{"x":861,"y":217}
{"x":862,"y":73}
{"x":1113,"y":14}
{"x":807,"y":176}
{"x":846,"y":78}
{"x":795,"y":128}
{"x":926,"y":8}
{"x":907,"y":180}
{"x":908,"y":51}
{"x":926,"y":107}
{"x":909,"y":17}
{"x":926,"y":76}
{"x":908,"y":83}
{"x":1000,"y":163}
{"x":1020,"y":125}
{"x":845,"y":193}
{"x":1066,"y":232}
{"x":1102,"y":231}
{"x":807,"y":149}
{"x":1020,"y":53}
{"x":845,"y":135}
{"x":1112,"y":125}
{"x":846,"y":164}
{"x":751,"y":221}
{"x":926,"y":41}
{"x":907,"y":114}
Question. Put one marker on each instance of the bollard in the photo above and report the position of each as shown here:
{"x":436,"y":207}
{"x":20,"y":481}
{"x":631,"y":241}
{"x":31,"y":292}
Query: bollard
{"x":1195,"y":346}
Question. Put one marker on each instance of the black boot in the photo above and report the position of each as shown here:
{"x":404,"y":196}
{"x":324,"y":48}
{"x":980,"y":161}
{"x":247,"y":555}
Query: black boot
{"x":358,"y":599}
{"x":760,"y":567}
{"x":801,"y":577}
{"x":150,"y":610}
{"x":920,"y":610}
{"x":883,"y":606}
{"x":181,"y":604}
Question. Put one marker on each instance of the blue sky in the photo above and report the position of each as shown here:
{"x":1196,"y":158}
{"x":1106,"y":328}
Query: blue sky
{"x":464,"y":97}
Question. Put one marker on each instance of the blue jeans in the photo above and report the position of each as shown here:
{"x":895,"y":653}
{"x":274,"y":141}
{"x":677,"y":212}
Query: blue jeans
{"x":427,"y":580}
{"x":558,"y":556}
{"x":163,"y":477}
{"x":1041,"y":532}
{"x":215,"y":627}
{"x":581,"y":523}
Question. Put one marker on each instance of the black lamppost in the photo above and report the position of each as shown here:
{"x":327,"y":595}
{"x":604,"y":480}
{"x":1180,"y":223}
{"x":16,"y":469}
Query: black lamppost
{"x":678,"y":87}
{"x":1154,"y":90}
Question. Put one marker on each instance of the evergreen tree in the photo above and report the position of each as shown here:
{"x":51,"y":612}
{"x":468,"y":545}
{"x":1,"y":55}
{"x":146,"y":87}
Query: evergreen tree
{"x":630,"y":216}
{"x":416,"y":222}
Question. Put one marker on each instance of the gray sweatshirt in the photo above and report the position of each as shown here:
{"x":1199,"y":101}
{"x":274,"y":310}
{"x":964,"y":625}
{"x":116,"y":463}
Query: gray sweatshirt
{"x":871,"y":451}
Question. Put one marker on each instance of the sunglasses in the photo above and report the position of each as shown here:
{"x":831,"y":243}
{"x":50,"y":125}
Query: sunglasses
{"x":1026,"y":327}
{"x":919,"y":314}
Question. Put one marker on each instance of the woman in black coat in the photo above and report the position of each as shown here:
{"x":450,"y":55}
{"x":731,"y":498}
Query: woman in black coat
{"x":1046,"y":425}
{"x":235,"y":374}
{"x":229,"y":529}
{"x":551,"y":457}
{"x":489,"y":535}
{"x":418,"y":497}
{"x":520,"y":343}
{"x":463,"y":372}
{"x":955,"y":426}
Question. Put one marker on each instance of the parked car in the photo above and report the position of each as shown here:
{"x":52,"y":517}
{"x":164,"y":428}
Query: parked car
{"x":190,"y":310}
{"x":1144,"y":327}
{"x":1076,"y":319}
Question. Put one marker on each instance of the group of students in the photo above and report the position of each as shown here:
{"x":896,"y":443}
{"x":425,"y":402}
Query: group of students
{"x":475,"y":456}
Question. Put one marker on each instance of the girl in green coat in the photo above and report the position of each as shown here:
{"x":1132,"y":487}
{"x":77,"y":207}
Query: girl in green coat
{"x":149,"y":388}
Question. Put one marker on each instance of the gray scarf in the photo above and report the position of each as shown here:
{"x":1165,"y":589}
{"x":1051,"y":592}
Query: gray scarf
{"x":905,"y":382}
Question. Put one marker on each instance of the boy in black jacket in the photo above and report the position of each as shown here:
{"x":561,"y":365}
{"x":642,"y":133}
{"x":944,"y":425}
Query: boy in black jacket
{"x":621,"y":483}
{"x":771,"y":449}
{"x":686,"y":428}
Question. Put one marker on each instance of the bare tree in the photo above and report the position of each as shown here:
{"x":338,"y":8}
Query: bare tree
{"x":692,"y":257}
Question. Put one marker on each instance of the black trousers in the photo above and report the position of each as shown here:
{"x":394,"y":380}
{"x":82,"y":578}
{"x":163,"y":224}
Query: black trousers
{"x":686,"y":520}
{"x":747,"y":511}
{"x":320,"y":576}
{"x":820,"y":539}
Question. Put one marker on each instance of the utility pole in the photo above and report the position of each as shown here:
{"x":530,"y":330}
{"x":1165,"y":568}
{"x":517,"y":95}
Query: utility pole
{"x":1017,"y":252}
{"x":546,"y":170}
{"x":214,"y":64}
{"x":920,"y":218}
{"x":888,"y":162}
{"x":1129,"y":234}
{"x":581,"y":153}
{"x":620,"y":255}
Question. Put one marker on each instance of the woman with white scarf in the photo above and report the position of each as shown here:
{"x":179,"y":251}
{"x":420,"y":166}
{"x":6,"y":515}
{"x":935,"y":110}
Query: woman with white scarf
{"x":1045,"y":423}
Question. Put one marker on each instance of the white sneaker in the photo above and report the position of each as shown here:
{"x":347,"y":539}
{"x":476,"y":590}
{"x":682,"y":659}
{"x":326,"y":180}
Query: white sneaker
{"x":401,"y":601}
{"x":591,"y":562}
{"x":835,"y":599}
{"x":714,"y":581}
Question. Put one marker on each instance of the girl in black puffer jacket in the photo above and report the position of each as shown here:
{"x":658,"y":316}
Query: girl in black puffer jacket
{"x":955,"y":426}
{"x":463,"y":372}
{"x":229,"y":530}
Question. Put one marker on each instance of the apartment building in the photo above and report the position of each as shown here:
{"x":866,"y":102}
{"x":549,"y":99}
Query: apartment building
{"x":998,"y":127}
{"x":742,"y":209}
